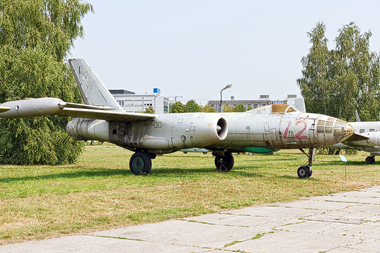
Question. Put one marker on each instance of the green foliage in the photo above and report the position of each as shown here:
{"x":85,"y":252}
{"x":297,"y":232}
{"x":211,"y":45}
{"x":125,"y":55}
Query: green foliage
{"x":335,"y":151}
{"x":177,"y":107}
{"x":149,"y":110}
{"x":51,"y":25}
{"x":35,"y":37}
{"x":227,"y":108}
{"x":208,"y":108}
{"x":239,"y":108}
{"x":336,"y":82}
{"x":192,"y":106}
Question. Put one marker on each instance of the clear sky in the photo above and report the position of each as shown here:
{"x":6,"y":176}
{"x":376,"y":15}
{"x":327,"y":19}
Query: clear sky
{"x":193,"y":48}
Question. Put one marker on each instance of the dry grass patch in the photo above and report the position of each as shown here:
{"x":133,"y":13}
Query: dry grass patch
{"x":99,"y":192}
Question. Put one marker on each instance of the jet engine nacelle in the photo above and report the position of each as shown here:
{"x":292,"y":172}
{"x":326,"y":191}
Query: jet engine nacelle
{"x":170,"y":132}
{"x":88,"y":129}
{"x":32,"y":107}
{"x":167,"y":133}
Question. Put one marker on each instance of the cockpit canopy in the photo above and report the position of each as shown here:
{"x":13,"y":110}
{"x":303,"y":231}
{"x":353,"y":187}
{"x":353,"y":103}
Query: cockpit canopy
{"x":276,"y":108}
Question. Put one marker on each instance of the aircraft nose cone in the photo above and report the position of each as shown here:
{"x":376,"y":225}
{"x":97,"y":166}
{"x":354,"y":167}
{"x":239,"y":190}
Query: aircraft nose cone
{"x":349,"y":131}
{"x":342,"y":130}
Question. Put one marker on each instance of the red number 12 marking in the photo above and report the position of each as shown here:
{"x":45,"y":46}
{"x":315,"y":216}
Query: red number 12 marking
{"x":298,"y":135}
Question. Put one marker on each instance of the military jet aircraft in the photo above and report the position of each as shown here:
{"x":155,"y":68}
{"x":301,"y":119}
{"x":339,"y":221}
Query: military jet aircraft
{"x":366,"y":138}
{"x":261,"y":130}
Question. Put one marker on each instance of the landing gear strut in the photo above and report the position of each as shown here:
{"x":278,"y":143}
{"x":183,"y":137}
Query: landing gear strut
{"x":224,"y":161}
{"x":305,"y":171}
{"x":370,"y":159}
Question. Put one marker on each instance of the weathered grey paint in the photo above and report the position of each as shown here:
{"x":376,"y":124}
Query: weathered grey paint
{"x":170,"y":133}
{"x":32,"y":107}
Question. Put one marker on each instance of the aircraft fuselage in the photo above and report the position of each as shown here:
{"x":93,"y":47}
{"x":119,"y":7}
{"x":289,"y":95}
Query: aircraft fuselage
{"x":238,"y":131}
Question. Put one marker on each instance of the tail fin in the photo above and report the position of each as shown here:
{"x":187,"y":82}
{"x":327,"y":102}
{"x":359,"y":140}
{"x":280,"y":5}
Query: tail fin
{"x":92,"y":89}
{"x":298,"y":103}
{"x":357,"y":115}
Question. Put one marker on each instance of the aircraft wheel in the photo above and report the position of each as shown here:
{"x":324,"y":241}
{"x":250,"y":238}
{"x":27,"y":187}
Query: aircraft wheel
{"x":224,"y":163}
{"x":140,"y":163}
{"x":303,"y":172}
{"x":370,"y":160}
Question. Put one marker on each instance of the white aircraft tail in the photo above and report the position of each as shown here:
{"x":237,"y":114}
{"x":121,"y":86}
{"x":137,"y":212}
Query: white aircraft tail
{"x":298,"y":103}
{"x":92,"y":89}
{"x":357,"y":115}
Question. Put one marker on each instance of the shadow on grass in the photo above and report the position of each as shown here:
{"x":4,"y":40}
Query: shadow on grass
{"x":75,"y":174}
{"x":237,"y":172}
{"x":355,"y":163}
{"x":155,"y":173}
{"x":175,"y":172}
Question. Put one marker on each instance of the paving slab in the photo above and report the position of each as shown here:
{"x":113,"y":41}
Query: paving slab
{"x":342,"y":222}
{"x":173,"y":231}
{"x":91,"y":244}
{"x":285,"y":241}
{"x":316,"y":204}
{"x":350,"y":199}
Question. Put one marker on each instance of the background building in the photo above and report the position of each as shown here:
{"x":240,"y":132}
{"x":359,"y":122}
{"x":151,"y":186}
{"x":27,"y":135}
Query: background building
{"x":262,"y":101}
{"x":132,"y":102}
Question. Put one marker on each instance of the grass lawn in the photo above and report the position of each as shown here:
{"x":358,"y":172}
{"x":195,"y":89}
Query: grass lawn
{"x":99,"y":192}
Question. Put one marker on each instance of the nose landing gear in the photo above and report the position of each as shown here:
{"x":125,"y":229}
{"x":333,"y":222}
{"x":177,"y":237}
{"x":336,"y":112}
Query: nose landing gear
{"x":305,"y":171}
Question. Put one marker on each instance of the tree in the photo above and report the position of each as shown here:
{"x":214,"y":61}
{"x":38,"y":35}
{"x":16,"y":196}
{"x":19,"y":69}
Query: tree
{"x":227,"y":108}
{"x":35,"y":37}
{"x":208,"y":108}
{"x":149,"y":110}
{"x":357,"y":72}
{"x":192,"y":106}
{"x":177,"y":107}
{"x":337,"y":82}
{"x":239,"y":108}
{"x":314,"y":83}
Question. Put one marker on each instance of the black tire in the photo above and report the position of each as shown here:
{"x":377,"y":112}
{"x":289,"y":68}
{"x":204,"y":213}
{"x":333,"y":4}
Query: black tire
{"x":303,"y":172}
{"x":370,"y":160}
{"x":140,"y":163}
{"x":224,"y":163}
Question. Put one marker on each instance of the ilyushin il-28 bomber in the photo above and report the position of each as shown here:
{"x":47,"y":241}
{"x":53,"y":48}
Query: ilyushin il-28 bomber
{"x":261,"y":130}
{"x":366,"y":138}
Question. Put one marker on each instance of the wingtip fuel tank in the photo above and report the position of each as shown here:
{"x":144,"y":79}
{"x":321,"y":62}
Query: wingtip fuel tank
{"x":32,"y":107}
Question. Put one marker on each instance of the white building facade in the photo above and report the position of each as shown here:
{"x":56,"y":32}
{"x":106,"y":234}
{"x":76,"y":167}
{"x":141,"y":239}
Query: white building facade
{"x":132,"y":102}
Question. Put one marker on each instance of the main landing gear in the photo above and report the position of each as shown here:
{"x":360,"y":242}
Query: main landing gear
{"x":305,"y":171}
{"x":141,"y":163}
{"x":370,"y":159}
{"x":224,"y":161}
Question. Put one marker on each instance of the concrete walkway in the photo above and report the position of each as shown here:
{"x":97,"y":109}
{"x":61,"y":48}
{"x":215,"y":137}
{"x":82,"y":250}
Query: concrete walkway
{"x":343,"y":222}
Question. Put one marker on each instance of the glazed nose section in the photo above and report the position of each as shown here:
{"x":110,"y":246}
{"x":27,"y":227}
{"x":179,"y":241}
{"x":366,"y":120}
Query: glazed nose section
{"x":342,"y":130}
{"x":350,"y":130}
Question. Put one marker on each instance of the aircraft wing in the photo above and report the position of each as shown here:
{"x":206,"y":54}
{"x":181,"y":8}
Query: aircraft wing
{"x":4,"y":109}
{"x":356,"y":137}
{"x":54,"y":106}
